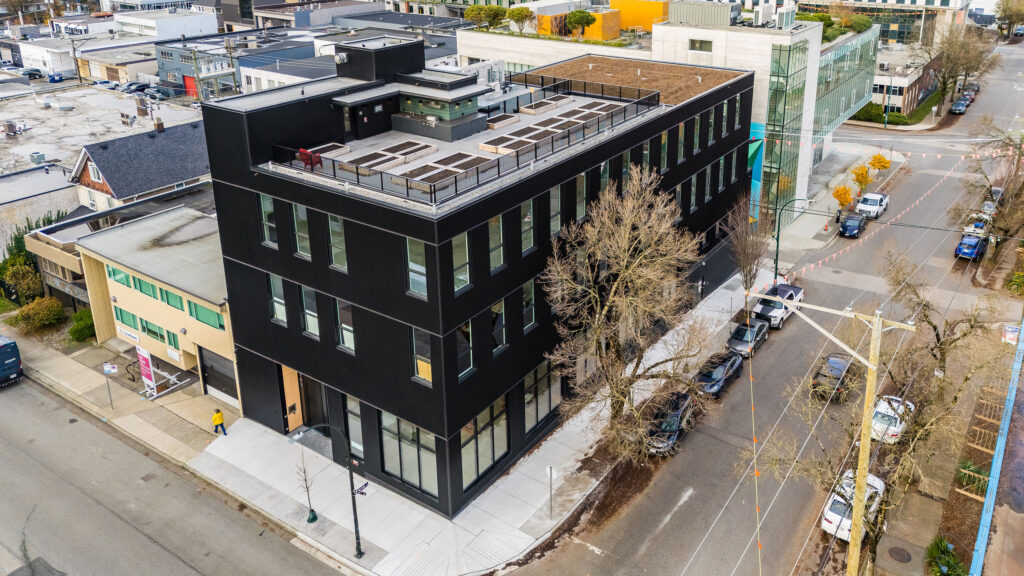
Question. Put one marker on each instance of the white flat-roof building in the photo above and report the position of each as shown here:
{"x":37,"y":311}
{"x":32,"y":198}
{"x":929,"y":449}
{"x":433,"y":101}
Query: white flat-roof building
{"x":168,"y":23}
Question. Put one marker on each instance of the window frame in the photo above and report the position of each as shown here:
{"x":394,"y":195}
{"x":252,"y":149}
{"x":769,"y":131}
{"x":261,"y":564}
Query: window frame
{"x":499,"y":342}
{"x":531,"y":306}
{"x":120,"y":276}
{"x":467,"y":369}
{"x":146,"y":287}
{"x":301,"y":232}
{"x":526,"y":226}
{"x":422,"y":440}
{"x":120,"y":313}
{"x":334,"y":223}
{"x":348,"y":344}
{"x":277,"y":301}
{"x":310,"y":319}
{"x":460,"y":267}
{"x":541,"y":377}
{"x":484,"y":427}
{"x":412,"y":268}
{"x":416,"y":356}
{"x":555,"y":209}
{"x":495,"y":246}
{"x":166,"y":297}
{"x":194,"y":313}
{"x":268,"y":221}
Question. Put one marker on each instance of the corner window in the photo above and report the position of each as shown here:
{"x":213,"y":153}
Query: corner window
{"x":310,"y":320}
{"x":205,"y":315}
{"x":460,"y":261}
{"x":421,"y":355}
{"x":278,"y":311}
{"x":336,"y":234}
{"x":268,"y":221}
{"x":529,"y":319}
{"x":526,"y":224}
{"x":464,"y":348}
{"x":409,"y":453}
{"x":301,"y":218}
{"x":172,"y":299}
{"x":496,"y":243}
{"x":555,"y":201}
{"x":700,"y":45}
{"x":119,"y":276}
{"x":542,"y":393}
{"x":498,"y":327}
{"x":346,"y":334}
{"x":416,"y":266}
{"x":484,"y":442}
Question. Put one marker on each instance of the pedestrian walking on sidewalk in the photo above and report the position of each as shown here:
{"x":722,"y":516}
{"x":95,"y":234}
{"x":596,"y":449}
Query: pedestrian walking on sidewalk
{"x":218,"y":422}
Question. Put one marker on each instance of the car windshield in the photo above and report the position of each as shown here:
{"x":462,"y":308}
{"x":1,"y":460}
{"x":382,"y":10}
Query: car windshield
{"x":773,"y":304}
{"x":840,"y":508}
{"x":743,"y":333}
{"x":853,"y":221}
{"x":669,"y":423}
{"x":968,"y":242}
{"x":714,"y":373}
{"x":834,"y":367}
{"x":869,"y":201}
{"x":887,"y":420}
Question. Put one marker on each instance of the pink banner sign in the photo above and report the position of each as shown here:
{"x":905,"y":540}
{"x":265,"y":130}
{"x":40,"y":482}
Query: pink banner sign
{"x":145,"y":367}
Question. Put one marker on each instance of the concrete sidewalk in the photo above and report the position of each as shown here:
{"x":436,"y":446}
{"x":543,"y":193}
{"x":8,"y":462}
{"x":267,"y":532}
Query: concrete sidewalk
{"x":399,"y":537}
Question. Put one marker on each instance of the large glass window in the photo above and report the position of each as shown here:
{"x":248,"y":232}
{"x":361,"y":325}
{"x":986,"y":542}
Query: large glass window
{"x":464,"y":348}
{"x":460,"y":261}
{"x":496,"y":242}
{"x":310,"y":320}
{"x":346,"y":334}
{"x":409,"y":453}
{"x":172,"y":299}
{"x":498,"y":327}
{"x":301,"y":218}
{"x":581,"y":197}
{"x":126,"y":318}
{"x":484,"y":442}
{"x":205,"y":315}
{"x":354,"y":423}
{"x":542,"y":392}
{"x":152,"y":330}
{"x":119,"y":276}
{"x":268,"y":220}
{"x":555,"y":201}
{"x":421,"y":355}
{"x":278,"y":311}
{"x":528,"y":312}
{"x":146,"y":288}
{"x":416,"y":262}
{"x":526,"y":224}
{"x":336,"y":233}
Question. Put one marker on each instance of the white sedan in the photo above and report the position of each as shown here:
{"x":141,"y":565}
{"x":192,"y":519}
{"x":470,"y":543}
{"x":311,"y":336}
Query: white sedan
{"x":837,"y":517}
{"x":890,"y":419}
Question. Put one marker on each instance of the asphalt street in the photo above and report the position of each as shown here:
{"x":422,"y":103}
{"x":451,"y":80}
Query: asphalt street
{"x":76,"y":497}
{"x":697,"y":517}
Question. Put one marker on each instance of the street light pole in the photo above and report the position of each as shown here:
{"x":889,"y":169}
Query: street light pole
{"x":351,"y":479}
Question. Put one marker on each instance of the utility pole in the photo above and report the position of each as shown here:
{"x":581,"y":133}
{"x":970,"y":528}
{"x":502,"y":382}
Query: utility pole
{"x":74,"y":56}
{"x":199,"y":84}
{"x":878,"y":326}
{"x":888,"y":95}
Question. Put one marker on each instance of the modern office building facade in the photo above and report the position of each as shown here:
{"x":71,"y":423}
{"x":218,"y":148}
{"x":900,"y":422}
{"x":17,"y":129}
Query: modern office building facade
{"x":900,"y":21}
{"x":846,"y":72}
{"x":383,"y":232}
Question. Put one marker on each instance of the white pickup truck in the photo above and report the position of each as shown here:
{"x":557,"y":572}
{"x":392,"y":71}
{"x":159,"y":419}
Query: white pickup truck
{"x":873,"y":205}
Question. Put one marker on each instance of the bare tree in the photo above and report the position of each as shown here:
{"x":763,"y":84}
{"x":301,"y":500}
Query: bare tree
{"x":25,"y":7}
{"x":1011,"y":12}
{"x":959,"y":54}
{"x":614,"y":284}
{"x":307,"y":484}
{"x":748,"y":242}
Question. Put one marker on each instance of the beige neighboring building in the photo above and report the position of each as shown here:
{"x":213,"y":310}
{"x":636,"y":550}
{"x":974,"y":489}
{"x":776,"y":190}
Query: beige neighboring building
{"x":158,"y":282}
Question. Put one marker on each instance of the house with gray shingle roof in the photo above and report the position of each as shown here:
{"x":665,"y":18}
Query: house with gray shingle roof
{"x":123,"y":170}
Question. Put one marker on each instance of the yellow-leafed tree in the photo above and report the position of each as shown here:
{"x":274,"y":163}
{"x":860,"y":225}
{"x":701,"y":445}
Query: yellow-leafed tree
{"x":843,"y":195}
{"x":862,"y":177}
{"x":879,"y":162}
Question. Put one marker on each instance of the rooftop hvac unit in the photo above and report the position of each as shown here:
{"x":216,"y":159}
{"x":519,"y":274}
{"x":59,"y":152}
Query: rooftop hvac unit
{"x":883,"y":66}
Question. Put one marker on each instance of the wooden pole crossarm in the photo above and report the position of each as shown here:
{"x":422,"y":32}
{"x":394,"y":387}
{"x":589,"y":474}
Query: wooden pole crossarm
{"x":829,"y":335}
{"x":845,"y":313}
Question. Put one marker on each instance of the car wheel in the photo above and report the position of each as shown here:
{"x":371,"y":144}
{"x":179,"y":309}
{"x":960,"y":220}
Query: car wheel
{"x":781,"y":322}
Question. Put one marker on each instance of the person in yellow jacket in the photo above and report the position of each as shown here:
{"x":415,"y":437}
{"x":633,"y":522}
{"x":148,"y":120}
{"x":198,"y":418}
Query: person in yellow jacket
{"x":218,"y":422}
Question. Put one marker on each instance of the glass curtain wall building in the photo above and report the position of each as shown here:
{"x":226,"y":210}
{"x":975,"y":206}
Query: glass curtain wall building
{"x":845,"y":76}
{"x":786,"y":87}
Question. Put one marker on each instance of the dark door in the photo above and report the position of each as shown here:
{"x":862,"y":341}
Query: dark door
{"x":314,"y":404}
{"x":218,"y":372}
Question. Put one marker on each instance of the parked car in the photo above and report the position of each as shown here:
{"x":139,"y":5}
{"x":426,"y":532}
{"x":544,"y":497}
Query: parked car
{"x":958,"y":107}
{"x":133,"y":87}
{"x":970,"y":95}
{"x":10,"y":68}
{"x":835,"y":377}
{"x":774,"y":312}
{"x":996,"y":195}
{"x":10,"y":362}
{"x":973,"y":87}
{"x":989,"y":207}
{"x":852,"y":225}
{"x":1018,"y":31}
{"x":748,"y":336}
{"x":6,"y":63}
{"x":102,"y":83}
{"x":718,"y":372}
{"x":873,"y":205}
{"x":965,"y":100}
{"x":837,"y":518}
{"x":971,"y":247}
{"x":31,"y":73}
{"x":890,"y":420}
{"x":154,"y":94}
{"x":670,"y":424}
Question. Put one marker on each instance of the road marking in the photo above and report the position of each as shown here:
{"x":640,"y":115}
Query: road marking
{"x":589,"y":546}
{"x":664,"y":521}
{"x":8,"y":561}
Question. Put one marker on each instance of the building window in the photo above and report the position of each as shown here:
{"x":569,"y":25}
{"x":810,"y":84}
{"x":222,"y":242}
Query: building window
{"x":496,"y":243}
{"x":707,"y":185}
{"x":346,"y":334}
{"x":498,"y":327}
{"x":94,"y":173}
{"x":725,"y":114}
{"x":205,"y":315}
{"x":301,"y":219}
{"x":680,"y":149}
{"x":152,"y":330}
{"x":126,"y":318}
{"x":700,"y":45}
{"x":460,"y":261}
{"x":268,"y":220}
{"x":605,"y":174}
{"x":421,"y":355}
{"x":464,"y":348}
{"x":310,"y":321}
{"x":711,"y":127}
{"x":625,"y":169}
{"x":696,"y":133}
{"x":542,"y":393}
{"x":416,"y":264}
{"x":119,"y":276}
{"x":735,"y":161}
{"x":526,"y":224}
{"x":172,"y":340}
{"x":555,"y":201}
{"x":145,"y":287}
{"x":484,"y":442}
{"x":172,"y":299}
{"x":721,"y":173}
{"x":581,"y":197}
{"x":336,"y":233}
{"x":693,"y":194}
{"x":664,"y":152}
{"x":529,"y":318}
{"x":409,"y":453}
{"x":645,"y":153}
{"x":354,"y":425}
{"x":736,"y":112}
{"x":278,"y":312}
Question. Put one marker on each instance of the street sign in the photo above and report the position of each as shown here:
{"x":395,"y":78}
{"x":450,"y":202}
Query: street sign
{"x":362,"y":489}
{"x":109,"y":368}
{"x":1011,"y":334}
{"x":146,"y":368}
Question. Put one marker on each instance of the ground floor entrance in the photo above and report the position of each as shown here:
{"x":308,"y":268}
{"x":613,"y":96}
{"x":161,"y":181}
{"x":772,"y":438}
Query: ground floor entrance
{"x":218,"y":374}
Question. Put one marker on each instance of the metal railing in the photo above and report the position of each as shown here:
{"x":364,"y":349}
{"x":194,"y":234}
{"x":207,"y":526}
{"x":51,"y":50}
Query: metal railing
{"x":637,"y":102}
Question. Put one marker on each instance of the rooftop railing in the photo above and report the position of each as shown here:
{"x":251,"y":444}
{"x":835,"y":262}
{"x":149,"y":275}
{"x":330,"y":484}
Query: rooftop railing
{"x":422,"y":190}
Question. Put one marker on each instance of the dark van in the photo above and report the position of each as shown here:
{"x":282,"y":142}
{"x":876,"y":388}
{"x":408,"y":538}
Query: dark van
{"x":10,"y":361}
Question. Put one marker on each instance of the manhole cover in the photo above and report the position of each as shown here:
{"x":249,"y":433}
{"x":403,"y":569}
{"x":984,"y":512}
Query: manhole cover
{"x":900,"y":555}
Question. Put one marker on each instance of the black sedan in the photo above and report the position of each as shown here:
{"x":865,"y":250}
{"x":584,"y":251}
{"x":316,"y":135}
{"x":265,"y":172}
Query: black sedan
{"x":834,"y":377}
{"x":852,"y":226}
{"x":670,"y":424}
{"x":31,"y":73}
{"x":718,"y":372}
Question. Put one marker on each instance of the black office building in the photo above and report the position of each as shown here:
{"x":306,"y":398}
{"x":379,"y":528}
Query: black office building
{"x":383,"y":231}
